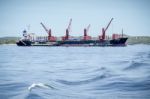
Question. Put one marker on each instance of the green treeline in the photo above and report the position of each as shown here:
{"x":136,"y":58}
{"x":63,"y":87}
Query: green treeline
{"x":8,"y":40}
{"x":138,"y":40}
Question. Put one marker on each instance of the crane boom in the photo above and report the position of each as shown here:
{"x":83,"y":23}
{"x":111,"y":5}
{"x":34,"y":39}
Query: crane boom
{"x":87,"y":29}
{"x":105,"y":29}
{"x":69,"y":26}
{"x":44,"y":27}
{"x":67,"y":30}
{"x":108,"y":24}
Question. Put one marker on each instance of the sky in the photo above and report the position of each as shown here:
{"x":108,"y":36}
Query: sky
{"x":133,"y":16}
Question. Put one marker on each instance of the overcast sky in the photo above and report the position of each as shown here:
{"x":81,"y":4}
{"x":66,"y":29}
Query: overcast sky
{"x":131,"y":15}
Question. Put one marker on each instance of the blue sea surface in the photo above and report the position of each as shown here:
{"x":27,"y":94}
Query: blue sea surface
{"x":75,"y":72}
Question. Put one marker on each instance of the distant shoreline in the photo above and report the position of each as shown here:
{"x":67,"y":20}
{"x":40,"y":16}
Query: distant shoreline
{"x":138,"y":40}
{"x":8,"y":44}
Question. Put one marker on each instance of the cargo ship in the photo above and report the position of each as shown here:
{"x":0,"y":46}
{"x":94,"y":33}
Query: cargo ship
{"x":67,"y":40}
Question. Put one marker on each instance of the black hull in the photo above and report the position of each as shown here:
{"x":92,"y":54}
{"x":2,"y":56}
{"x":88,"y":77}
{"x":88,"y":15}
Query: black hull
{"x":24,"y":43}
{"x":115,"y":42}
{"x":118,"y":42}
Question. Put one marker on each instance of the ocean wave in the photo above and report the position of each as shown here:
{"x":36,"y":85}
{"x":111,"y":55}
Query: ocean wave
{"x":118,"y":73}
{"x":33,"y":96}
{"x":39,"y":85}
{"x":100,"y":77}
{"x":136,"y":65}
{"x":11,"y":89}
{"x":100,"y":69}
{"x":148,"y":55}
{"x":125,"y":86}
{"x":11,"y":86}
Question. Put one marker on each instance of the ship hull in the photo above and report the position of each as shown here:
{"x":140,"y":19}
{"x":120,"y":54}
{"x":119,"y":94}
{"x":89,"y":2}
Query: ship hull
{"x":24,"y":43}
{"x":119,"y":41}
{"x":115,"y":42}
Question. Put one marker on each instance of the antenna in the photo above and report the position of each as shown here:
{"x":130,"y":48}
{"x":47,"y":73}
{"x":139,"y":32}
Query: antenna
{"x":28,"y":27}
{"x":122,"y":32}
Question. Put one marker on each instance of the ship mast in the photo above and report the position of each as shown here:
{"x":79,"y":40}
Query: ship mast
{"x":50,"y":37}
{"x":104,"y":30}
{"x":66,"y":37}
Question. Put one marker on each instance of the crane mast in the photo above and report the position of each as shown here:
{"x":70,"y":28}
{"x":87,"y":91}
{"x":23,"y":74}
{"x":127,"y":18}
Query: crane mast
{"x":104,"y":30}
{"x":50,"y":37}
{"x":86,"y":37}
{"x":68,"y":31}
{"x":86,"y":30}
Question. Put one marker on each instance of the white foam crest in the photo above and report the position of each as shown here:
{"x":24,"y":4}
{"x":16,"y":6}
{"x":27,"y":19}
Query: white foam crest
{"x":39,"y":85}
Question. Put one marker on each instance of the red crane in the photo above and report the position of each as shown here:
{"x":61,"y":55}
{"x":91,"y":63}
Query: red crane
{"x":66,"y":37}
{"x":86,"y":37}
{"x":104,"y":30}
{"x":50,"y":37}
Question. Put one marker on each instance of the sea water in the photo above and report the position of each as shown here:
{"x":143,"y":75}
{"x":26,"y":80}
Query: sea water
{"x":75,"y":72}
